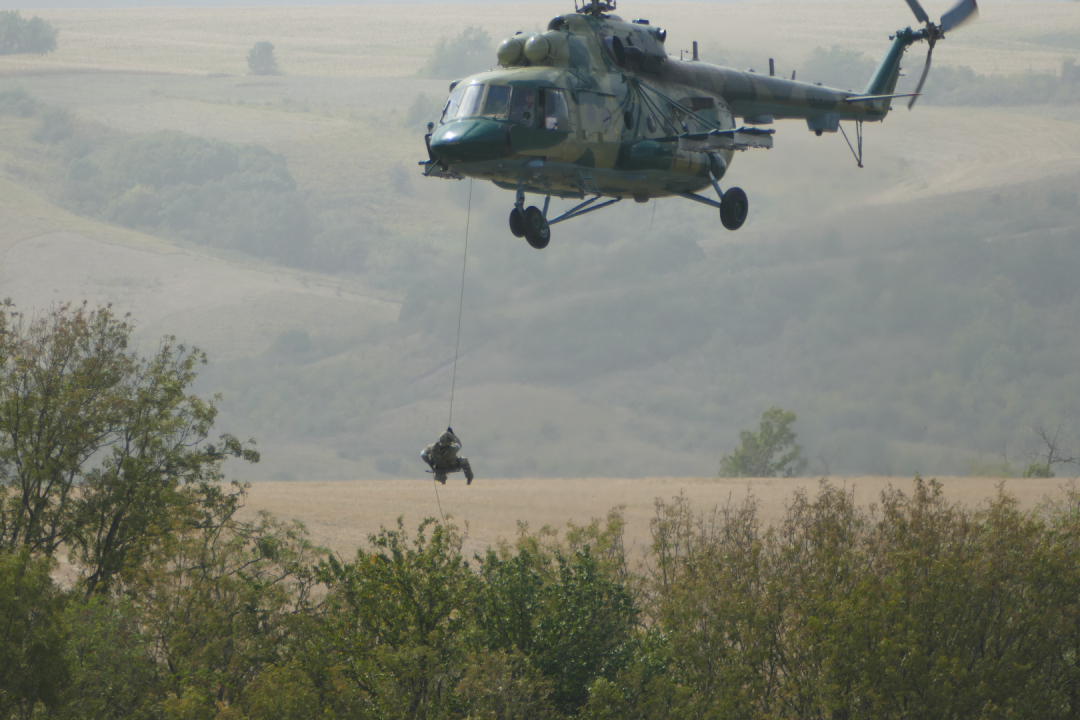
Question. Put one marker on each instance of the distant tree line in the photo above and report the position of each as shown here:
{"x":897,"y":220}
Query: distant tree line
{"x":20,"y":35}
{"x":949,"y":85}
{"x":911,"y":608}
{"x":208,"y":192}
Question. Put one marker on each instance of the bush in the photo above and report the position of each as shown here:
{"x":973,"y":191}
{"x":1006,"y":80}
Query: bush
{"x":57,"y":125}
{"x":25,"y":36}
{"x":18,"y":103}
{"x":757,"y":453}
{"x":468,"y":53}
{"x":261,"y":60}
{"x":208,"y":192}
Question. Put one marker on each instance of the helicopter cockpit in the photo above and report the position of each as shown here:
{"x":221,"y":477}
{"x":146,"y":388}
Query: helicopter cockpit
{"x":517,"y":104}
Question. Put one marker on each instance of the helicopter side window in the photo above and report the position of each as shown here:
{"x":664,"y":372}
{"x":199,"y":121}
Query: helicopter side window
{"x":523,"y":107}
{"x":556,"y":110}
{"x":452,"y":104}
{"x":471,"y":102}
{"x":497,"y":103}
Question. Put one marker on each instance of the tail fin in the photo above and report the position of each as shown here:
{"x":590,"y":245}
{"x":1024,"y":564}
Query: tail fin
{"x":888,"y":70}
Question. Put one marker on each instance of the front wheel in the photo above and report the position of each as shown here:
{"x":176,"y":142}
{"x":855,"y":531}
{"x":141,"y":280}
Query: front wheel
{"x":537,"y":230}
{"x":734,"y":207}
{"x":517,"y":222}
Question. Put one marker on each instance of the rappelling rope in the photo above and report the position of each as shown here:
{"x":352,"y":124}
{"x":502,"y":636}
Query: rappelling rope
{"x":457,"y":343}
{"x":461,"y":302}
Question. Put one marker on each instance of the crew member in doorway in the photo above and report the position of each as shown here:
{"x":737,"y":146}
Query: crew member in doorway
{"x":442,"y":457}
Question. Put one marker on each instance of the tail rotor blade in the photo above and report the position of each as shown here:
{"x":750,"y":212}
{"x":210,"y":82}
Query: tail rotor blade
{"x":920,"y":14}
{"x":925,"y":72}
{"x":964,"y":11}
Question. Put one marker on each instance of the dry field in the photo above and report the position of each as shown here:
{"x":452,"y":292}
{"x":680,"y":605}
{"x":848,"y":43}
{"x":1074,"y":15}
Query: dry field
{"x":387,"y":41}
{"x":340,"y":515}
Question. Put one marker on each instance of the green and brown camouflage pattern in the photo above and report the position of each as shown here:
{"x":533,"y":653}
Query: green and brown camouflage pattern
{"x":629,"y":103}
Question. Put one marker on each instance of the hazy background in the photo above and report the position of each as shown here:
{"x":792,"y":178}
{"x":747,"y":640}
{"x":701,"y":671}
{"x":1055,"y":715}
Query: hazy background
{"x":918,"y":315}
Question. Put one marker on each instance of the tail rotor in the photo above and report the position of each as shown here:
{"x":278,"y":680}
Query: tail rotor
{"x":961,"y":13}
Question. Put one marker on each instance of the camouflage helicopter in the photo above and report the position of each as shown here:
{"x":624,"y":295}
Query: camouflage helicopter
{"x":594,"y":109}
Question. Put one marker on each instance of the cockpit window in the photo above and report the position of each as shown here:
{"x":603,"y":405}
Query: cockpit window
{"x":497,"y":102}
{"x":453,"y":103}
{"x":523,"y":109}
{"x":472,"y":102}
{"x":500,"y":102}
{"x":556,"y":110}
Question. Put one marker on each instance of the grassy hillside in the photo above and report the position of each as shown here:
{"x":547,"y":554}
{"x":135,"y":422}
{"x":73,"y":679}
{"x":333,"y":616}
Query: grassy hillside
{"x":915,"y":314}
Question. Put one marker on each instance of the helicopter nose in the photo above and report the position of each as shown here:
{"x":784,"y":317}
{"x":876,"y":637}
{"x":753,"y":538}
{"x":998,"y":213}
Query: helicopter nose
{"x":470,"y":140}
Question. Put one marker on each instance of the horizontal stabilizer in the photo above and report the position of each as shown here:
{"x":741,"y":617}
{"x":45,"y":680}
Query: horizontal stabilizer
{"x":872,"y":98}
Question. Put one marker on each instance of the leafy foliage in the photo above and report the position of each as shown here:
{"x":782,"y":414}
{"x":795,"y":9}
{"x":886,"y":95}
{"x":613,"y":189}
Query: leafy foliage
{"x":18,"y":35}
{"x":208,"y":192}
{"x":17,"y":102}
{"x":963,"y":86}
{"x":100,"y":449}
{"x":261,"y":60}
{"x":757,"y":453}
{"x":32,"y":662}
{"x":454,"y":58}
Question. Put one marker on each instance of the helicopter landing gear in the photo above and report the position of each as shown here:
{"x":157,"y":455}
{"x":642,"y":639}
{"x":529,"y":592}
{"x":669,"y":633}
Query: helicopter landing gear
{"x":530,"y":222}
{"x":537,"y":230}
{"x":734,"y":207}
{"x":517,"y":222}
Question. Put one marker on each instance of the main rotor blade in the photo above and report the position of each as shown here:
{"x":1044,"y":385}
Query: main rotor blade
{"x":960,"y":13}
{"x":925,"y":72}
{"x":920,"y":14}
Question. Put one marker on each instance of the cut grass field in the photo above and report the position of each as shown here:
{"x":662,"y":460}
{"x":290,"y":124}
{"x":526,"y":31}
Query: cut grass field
{"x":389,"y":41}
{"x":340,"y":515}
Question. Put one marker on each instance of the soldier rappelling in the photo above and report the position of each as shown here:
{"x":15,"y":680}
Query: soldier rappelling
{"x":442,"y":457}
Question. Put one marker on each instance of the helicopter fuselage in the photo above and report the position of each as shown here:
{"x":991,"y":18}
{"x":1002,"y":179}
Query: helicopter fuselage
{"x":537,"y":127}
{"x":594,"y":108}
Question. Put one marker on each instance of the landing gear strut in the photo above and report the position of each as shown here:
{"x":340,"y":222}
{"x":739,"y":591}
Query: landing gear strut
{"x":530,"y":223}
{"x":733,"y":204}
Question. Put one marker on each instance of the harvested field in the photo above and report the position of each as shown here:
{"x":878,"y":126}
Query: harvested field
{"x":373,"y":41}
{"x":340,"y":515}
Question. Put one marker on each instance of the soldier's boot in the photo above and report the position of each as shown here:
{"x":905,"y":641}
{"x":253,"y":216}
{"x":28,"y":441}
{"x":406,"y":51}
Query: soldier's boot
{"x":441,"y":477}
{"x":467,"y":469}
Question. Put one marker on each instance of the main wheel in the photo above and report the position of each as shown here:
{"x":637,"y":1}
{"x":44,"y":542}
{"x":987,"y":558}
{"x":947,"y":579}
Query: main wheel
{"x":733,"y":208}
{"x":517,"y":222}
{"x":537,"y":230}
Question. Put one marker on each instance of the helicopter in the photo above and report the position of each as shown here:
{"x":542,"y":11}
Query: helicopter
{"x":595,"y":110}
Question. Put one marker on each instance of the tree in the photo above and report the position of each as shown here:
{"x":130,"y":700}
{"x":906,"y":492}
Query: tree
{"x":25,"y":36}
{"x":757,"y":453}
{"x":469,"y":52}
{"x":32,"y":665}
{"x":101,"y":451}
{"x":1051,"y":453}
{"x":261,"y":60}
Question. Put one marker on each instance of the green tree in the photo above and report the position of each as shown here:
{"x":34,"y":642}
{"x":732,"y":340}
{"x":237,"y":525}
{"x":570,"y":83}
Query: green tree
{"x":454,"y":58}
{"x":100,"y":449}
{"x":33,"y":667}
{"x":25,"y":36}
{"x":769,"y":452}
{"x":261,"y":60}
{"x":396,"y":641}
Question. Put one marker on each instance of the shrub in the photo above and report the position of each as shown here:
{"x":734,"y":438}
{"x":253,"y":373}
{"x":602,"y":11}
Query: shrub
{"x":757,"y":453}
{"x":261,"y":60}
{"x":25,"y":36}
{"x":469,"y":52}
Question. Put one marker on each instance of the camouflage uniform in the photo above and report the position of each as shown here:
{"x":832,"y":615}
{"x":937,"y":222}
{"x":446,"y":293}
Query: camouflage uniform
{"x":443,"y":459}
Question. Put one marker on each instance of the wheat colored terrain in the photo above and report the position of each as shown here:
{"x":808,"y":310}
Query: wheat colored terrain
{"x":383,"y":41}
{"x":337,"y":117}
{"x":340,"y":515}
